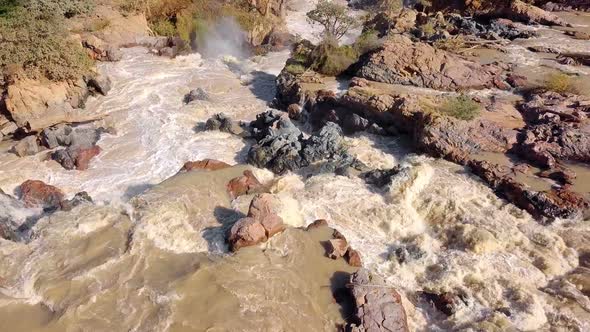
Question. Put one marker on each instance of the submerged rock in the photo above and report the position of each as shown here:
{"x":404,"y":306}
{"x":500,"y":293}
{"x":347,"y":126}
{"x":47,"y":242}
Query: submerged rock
{"x":196,"y":94}
{"x":205,"y":164}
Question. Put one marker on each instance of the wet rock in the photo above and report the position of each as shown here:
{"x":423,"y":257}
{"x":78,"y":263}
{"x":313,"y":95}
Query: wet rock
{"x":260,"y":225}
{"x":36,"y":193}
{"x":578,"y":35}
{"x":205,"y":164}
{"x":27,"y":146}
{"x":378,"y":306}
{"x":78,"y":199}
{"x":495,"y":29}
{"x":245,"y":184}
{"x":353,"y":258}
{"x":380,"y":177}
{"x":223,"y":123}
{"x":246,"y":232}
{"x":99,"y":84}
{"x":294,"y":111}
{"x":354,"y":123}
{"x":337,"y":248}
{"x":196,"y":94}
{"x":76,"y":157}
{"x":317,"y":224}
{"x":408,"y":252}
{"x":448,"y":303}
{"x":516,"y":81}
{"x":401,"y":61}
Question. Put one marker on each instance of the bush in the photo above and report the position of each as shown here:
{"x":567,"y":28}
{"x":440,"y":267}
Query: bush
{"x":295,"y":68}
{"x":35,"y":41}
{"x":560,"y":83}
{"x":461,"y":107}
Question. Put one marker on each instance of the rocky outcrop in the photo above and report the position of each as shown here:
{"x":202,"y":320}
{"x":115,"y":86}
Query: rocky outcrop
{"x":338,"y":247}
{"x":34,"y":105}
{"x":378,"y":306}
{"x":512,"y":9}
{"x":260,"y":225}
{"x":495,"y":29}
{"x":401,"y":61}
{"x":282,"y":147}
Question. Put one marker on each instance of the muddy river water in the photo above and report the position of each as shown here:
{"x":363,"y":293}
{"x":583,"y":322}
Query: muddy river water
{"x":151,"y":256}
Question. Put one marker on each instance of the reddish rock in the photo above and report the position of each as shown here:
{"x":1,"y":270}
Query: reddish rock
{"x":84,"y":155}
{"x":353,"y":258}
{"x":242,"y":185}
{"x":337,"y":248}
{"x":205,"y":164}
{"x":294,"y":111}
{"x":273,"y":224}
{"x":36,"y":193}
{"x":246,"y":232}
{"x":317,"y":224}
{"x":378,"y":306}
{"x":264,"y":209}
{"x":516,"y":81}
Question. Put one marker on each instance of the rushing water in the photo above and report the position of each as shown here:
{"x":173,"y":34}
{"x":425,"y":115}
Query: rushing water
{"x":145,"y":263}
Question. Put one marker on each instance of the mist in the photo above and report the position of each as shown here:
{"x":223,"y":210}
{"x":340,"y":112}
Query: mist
{"x":224,"y":38}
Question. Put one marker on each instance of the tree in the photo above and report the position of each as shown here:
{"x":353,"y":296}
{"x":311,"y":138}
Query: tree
{"x":333,"y":17}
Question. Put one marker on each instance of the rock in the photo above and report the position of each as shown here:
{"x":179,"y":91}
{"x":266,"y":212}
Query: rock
{"x":516,"y":81}
{"x":205,"y":164}
{"x":59,"y":135}
{"x":317,"y":224}
{"x":578,"y":35}
{"x":196,"y":94}
{"x":337,"y":248}
{"x":76,"y":157}
{"x":378,"y":306}
{"x":380,"y":177}
{"x":401,"y":61}
{"x":242,"y":185}
{"x":246,"y":232}
{"x":36,"y":193}
{"x":223,"y":123}
{"x":78,"y":199}
{"x":353,"y":258}
{"x":84,"y":155}
{"x":354,"y":123}
{"x":8,"y":128}
{"x":35,"y":105}
{"x":495,"y":29}
{"x":99,"y":84}
{"x":27,"y":146}
{"x":294,"y":111}
{"x":512,"y":9}
{"x":99,"y":50}
{"x":447,"y":303}
{"x":264,"y":209}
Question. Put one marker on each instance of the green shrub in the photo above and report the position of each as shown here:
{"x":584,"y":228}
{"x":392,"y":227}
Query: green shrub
{"x":367,"y":41}
{"x":35,"y":41}
{"x":560,"y":83}
{"x":295,"y":68}
{"x":163,"y":28}
{"x":461,"y":107}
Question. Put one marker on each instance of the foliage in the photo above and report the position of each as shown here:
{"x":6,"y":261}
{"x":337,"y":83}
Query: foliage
{"x":163,"y":28}
{"x":333,"y":17}
{"x":368,"y":41}
{"x":390,"y":6}
{"x":461,"y":107}
{"x":295,"y":68}
{"x":451,"y":44}
{"x":35,"y":42}
{"x":560,"y":82}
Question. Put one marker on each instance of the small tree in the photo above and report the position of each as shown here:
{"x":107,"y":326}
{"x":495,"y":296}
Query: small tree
{"x":333,"y":17}
{"x":390,"y":6}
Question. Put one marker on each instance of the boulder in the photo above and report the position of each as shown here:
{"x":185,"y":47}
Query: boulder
{"x":27,"y":146}
{"x":36,"y":193}
{"x":401,"y":61}
{"x":378,"y":306}
{"x":223,"y":123}
{"x":101,"y":51}
{"x":76,"y":157}
{"x":337,"y":248}
{"x":8,"y":128}
{"x":353,"y":258}
{"x":99,"y":84}
{"x":260,"y":225}
{"x":196,"y":94}
{"x":205,"y":164}
{"x":78,"y":199}
{"x":242,"y":185}
{"x":294,"y":111}
{"x":84,"y":155}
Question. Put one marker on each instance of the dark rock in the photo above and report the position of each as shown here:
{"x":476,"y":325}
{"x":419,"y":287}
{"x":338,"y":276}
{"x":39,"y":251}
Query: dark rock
{"x":294,"y":111}
{"x":196,"y":94}
{"x":380,"y":177}
{"x":317,"y":224}
{"x":78,"y":199}
{"x":223,"y":123}
{"x":410,"y":252}
{"x":99,"y":84}
{"x":447,"y":303}
{"x":76,"y":156}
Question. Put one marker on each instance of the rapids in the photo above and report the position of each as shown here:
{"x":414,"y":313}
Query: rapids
{"x":151,"y":256}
